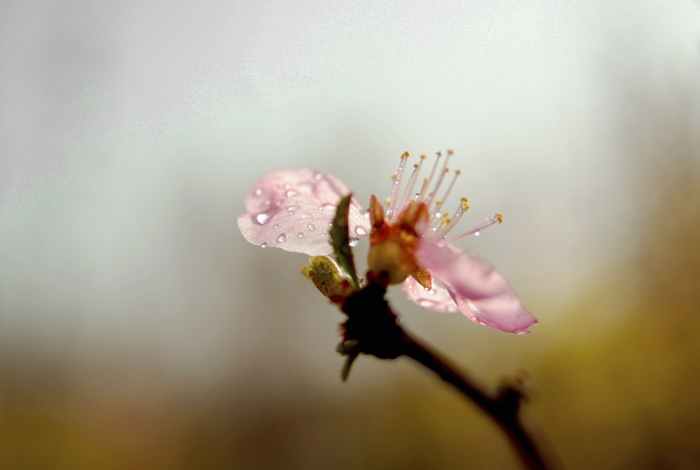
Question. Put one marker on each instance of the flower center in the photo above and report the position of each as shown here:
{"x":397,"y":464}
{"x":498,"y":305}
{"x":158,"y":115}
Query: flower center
{"x":439,"y":223}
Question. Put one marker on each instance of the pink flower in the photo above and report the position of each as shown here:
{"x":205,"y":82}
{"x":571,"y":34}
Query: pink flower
{"x":294,"y":209}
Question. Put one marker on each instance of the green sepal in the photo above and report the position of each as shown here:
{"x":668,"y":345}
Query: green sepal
{"x":340,"y":240}
{"x":327,"y":276}
{"x":351,"y":349}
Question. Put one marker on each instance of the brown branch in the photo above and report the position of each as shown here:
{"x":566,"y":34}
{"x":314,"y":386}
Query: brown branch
{"x":372,"y":328}
{"x":504,"y":406}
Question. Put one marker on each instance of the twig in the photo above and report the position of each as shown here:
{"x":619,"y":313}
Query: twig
{"x":503,"y":406}
{"x":372,"y":328}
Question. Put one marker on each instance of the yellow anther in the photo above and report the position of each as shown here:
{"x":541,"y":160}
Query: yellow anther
{"x":412,"y":201}
{"x":394,"y":176}
{"x":387,"y":201}
{"x":449,"y":152}
{"x":465,"y":206}
{"x":446,"y":215}
{"x":458,"y":172}
{"x":464,"y":199}
{"x":443,"y":222}
{"x":431,"y":194}
{"x":422,"y":157}
{"x":438,"y":201}
{"x":415,"y":165}
{"x":499,"y":217}
{"x":447,"y":170}
{"x":439,"y":154}
{"x":404,"y":156}
{"x":425,"y":180}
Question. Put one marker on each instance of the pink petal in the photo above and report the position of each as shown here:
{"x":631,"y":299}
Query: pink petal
{"x":292,"y":210}
{"x":437,"y":298}
{"x":480,"y":292}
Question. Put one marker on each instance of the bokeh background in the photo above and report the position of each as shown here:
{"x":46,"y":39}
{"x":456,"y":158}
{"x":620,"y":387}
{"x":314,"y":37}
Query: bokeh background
{"x":139,"y":330}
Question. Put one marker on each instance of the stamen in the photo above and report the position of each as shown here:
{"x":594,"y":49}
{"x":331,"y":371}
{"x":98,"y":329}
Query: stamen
{"x":445,"y":170}
{"x":441,"y":202}
{"x":463,"y":207}
{"x":426,"y":183}
{"x":396,"y":186}
{"x":496,"y":219}
{"x":411,"y":183}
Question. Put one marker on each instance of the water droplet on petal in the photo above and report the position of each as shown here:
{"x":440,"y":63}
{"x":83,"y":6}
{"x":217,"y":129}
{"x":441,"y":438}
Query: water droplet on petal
{"x":292,"y":208}
{"x":354,"y":241}
{"x":262,"y":218}
{"x":258,"y":192}
{"x":432,"y":292}
{"x":522,"y":332}
{"x":426,"y":289}
{"x":301,"y":235}
{"x":360,"y":231}
{"x":264,"y":245}
{"x":311,"y":227}
{"x":477,"y":233}
{"x":275,"y":226}
{"x":330,"y":224}
{"x":318,"y":176}
{"x":323,"y":235}
{"x":282,"y":238}
{"x":320,"y":208}
{"x":366,"y":215}
{"x":291,"y":193}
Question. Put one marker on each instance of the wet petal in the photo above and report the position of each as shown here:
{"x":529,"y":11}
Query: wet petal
{"x":292,"y":209}
{"x":480,"y":292}
{"x":437,"y":298}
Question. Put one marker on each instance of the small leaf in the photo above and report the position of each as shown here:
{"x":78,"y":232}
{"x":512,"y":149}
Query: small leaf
{"x":327,"y":277}
{"x":345,"y":372}
{"x":341,"y":240}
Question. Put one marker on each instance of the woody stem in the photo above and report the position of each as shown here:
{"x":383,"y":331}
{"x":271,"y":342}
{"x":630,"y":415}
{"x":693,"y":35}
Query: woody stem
{"x":504,"y":406}
{"x":374,"y":328}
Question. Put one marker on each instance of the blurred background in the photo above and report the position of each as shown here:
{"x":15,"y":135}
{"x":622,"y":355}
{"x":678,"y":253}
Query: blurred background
{"x":138,"y":329}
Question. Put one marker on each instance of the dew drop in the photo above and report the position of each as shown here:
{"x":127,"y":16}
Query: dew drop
{"x":354,"y":241}
{"x":311,"y":227}
{"x":522,"y":332}
{"x":301,"y":235}
{"x":275,"y":226}
{"x":477,"y":233}
{"x":282,"y":238}
{"x":292,"y":208}
{"x":258,"y":192}
{"x":264,"y":245}
{"x":320,"y":208}
{"x":367,"y":215}
{"x":432,"y":292}
{"x":318,"y":176}
{"x":323,"y":235}
{"x":330,"y":224}
{"x":291,"y":193}
{"x":360,"y":231}
{"x":262,"y":218}
{"x":426,"y":289}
